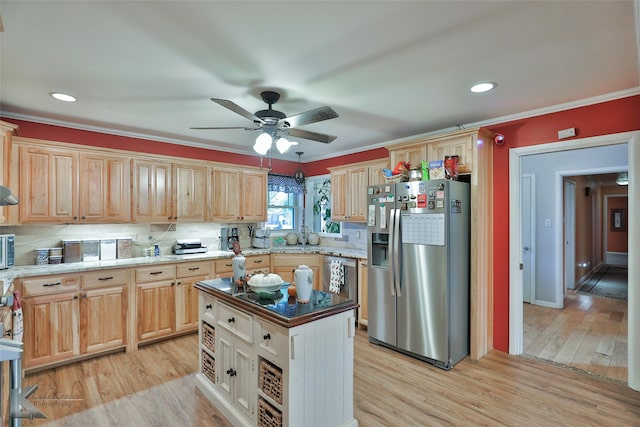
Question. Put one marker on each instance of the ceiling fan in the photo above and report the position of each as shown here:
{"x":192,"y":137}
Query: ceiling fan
{"x":272,"y":122}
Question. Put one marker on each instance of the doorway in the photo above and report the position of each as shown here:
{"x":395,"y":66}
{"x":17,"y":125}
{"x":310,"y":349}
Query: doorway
{"x":632,"y":139}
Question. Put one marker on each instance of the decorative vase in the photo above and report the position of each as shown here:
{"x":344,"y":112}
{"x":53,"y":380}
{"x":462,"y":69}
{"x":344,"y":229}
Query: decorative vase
{"x":239,"y":267}
{"x":303,"y":277}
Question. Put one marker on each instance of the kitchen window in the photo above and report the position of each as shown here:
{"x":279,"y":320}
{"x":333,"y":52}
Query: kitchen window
{"x":318,"y":212}
{"x":285,"y":203}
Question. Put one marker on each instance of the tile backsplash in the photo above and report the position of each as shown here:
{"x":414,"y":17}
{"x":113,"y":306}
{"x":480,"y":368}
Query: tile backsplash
{"x":31,"y":237}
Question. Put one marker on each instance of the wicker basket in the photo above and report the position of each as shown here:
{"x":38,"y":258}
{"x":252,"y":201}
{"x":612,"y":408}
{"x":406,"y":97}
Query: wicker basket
{"x":396,"y":178}
{"x":209,"y":336}
{"x":268,"y":416}
{"x":209,"y":366}
{"x":270,"y":380}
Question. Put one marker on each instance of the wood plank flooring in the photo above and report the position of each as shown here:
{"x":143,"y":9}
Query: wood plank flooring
{"x":589,"y":333}
{"x":154,"y":387}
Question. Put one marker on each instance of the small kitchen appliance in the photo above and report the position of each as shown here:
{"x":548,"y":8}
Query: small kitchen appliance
{"x":190,"y":246}
{"x":228,"y":235}
{"x":7,"y":250}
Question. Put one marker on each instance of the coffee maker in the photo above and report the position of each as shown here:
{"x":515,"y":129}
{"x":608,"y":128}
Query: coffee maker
{"x":228,"y":235}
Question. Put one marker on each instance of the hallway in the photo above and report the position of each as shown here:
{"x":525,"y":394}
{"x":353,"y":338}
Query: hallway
{"x":589,"y":334}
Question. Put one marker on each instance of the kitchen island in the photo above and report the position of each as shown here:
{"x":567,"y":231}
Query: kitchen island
{"x":276,"y":362}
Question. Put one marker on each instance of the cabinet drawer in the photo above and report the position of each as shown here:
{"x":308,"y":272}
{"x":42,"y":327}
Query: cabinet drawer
{"x":236,"y":321}
{"x":188,"y":269}
{"x":207,"y":308}
{"x":152,"y":274}
{"x":50,"y":284}
{"x":223,"y":266}
{"x":268,"y":338}
{"x":258,"y":263}
{"x":102,"y":278}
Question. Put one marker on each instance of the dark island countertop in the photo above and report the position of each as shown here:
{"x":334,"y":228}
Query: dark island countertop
{"x":283,"y":309}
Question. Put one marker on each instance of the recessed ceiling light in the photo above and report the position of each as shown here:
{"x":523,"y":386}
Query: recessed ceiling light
{"x":63,"y":97}
{"x":483,"y":87}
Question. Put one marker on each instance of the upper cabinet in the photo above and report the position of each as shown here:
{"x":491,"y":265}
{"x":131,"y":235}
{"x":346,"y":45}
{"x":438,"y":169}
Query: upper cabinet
{"x":459,"y":143}
{"x":189,"y":193}
{"x":238,"y":196}
{"x":349,"y":189}
{"x":60,"y":185}
{"x":151,"y":191}
{"x":7,"y":130}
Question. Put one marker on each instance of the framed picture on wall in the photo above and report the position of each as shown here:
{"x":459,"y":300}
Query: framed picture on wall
{"x":618,"y":220}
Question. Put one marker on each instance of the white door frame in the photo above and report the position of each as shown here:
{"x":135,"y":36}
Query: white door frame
{"x":530,"y":268}
{"x":515,"y":239}
{"x":569,"y":235}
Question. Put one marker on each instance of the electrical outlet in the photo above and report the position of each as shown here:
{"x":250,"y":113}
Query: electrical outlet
{"x":566,"y":133}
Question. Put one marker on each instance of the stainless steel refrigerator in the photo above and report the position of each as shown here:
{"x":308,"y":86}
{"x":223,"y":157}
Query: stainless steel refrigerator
{"x":418,"y":281}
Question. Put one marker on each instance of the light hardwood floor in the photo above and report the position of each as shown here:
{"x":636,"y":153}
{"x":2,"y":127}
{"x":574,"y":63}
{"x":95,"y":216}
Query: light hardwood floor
{"x":589,"y":333}
{"x":154,"y":387}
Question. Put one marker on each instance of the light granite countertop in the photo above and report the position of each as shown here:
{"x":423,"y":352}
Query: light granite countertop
{"x":7,"y":276}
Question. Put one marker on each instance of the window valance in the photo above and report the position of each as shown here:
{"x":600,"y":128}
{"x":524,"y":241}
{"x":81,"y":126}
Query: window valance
{"x":284,"y":183}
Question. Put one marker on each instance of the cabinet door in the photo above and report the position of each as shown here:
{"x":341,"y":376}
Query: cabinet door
{"x":189,"y":193}
{"x":245,"y":383}
{"x":224,"y":362}
{"x":104,"y":188}
{"x":376,"y":177}
{"x":339,"y":204}
{"x":156,"y":309}
{"x":363,"y":292}
{"x":225,"y":195}
{"x":187,"y":303}
{"x":413,"y":154}
{"x":253,"y":205}
{"x":357,"y":193}
{"x":461,"y":146}
{"x":103,"y":319}
{"x":51,"y":323}
{"x":48,"y":185}
{"x":151,"y":191}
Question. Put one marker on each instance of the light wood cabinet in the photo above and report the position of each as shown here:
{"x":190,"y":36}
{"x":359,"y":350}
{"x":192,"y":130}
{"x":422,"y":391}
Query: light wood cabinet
{"x":349,"y":189}
{"x":285,"y":266}
{"x":414,"y":154}
{"x":189,"y":193}
{"x":105,"y":191}
{"x":363,"y":293}
{"x":51,"y":313}
{"x":253,"y":264}
{"x":187,"y":295}
{"x":6,"y":132}
{"x":104,"y":310}
{"x":238,"y":196}
{"x":155,"y":299}
{"x":48,"y":185}
{"x":460,"y":146}
{"x":151,"y":191}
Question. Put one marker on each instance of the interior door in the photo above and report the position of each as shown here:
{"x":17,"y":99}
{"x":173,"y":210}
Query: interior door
{"x":528,"y":237}
{"x":569,"y":234}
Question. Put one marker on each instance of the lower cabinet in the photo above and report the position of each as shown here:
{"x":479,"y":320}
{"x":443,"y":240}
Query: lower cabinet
{"x":156,"y":309}
{"x":259,"y":373}
{"x":285,"y":266}
{"x":363,"y":293}
{"x":103,"y":319}
{"x":187,"y":295}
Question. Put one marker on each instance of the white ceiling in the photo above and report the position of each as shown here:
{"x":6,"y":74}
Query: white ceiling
{"x":391,"y":69}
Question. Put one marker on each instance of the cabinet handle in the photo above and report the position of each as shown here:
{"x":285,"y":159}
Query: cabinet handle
{"x":194,"y":268}
{"x":75,"y":297}
{"x":231,"y":320}
{"x":84,"y":217}
{"x":75,"y":217}
{"x":257,"y":261}
{"x":84,"y":295}
{"x":231,"y":372}
{"x":208,"y":306}
{"x":179,"y":283}
{"x":153,"y":273}
{"x":46,"y":285}
{"x":267,"y":336}
{"x":105,"y":278}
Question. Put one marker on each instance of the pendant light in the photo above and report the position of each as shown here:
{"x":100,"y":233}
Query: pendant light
{"x":298,"y":176}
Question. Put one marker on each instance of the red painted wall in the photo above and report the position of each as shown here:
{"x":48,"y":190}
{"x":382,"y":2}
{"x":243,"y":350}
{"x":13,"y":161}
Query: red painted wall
{"x":622,"y":115}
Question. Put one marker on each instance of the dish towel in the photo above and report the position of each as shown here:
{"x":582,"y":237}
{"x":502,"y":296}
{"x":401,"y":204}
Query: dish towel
{"x":336,"y":280}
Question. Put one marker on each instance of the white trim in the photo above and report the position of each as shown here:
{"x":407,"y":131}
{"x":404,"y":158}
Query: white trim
{"x":633,"y":272}
{"x":532,"y":230}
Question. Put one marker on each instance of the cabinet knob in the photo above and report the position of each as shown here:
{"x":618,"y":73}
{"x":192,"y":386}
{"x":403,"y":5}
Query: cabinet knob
{"x":231,"y":320}
{"x":231,"y":372}
{"x":267,"y":336}
{"x":208,"y":306}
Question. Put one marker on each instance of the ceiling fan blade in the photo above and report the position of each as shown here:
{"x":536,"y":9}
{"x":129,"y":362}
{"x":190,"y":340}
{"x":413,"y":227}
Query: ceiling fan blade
{"x":312,"y":116}
{"x":237,"y":109}
{"x":229,"y":127}
{"x":300,"y":133}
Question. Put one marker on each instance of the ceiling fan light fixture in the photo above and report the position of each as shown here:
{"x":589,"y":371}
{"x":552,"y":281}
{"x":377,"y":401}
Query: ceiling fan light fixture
{"x":263,"y":144}
{"x":284,"y":144}
{"x":63,"y":97}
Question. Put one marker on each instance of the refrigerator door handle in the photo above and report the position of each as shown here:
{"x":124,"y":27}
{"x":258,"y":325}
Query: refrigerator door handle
{"x":396,"y":250}
{"x":392,"y":239}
